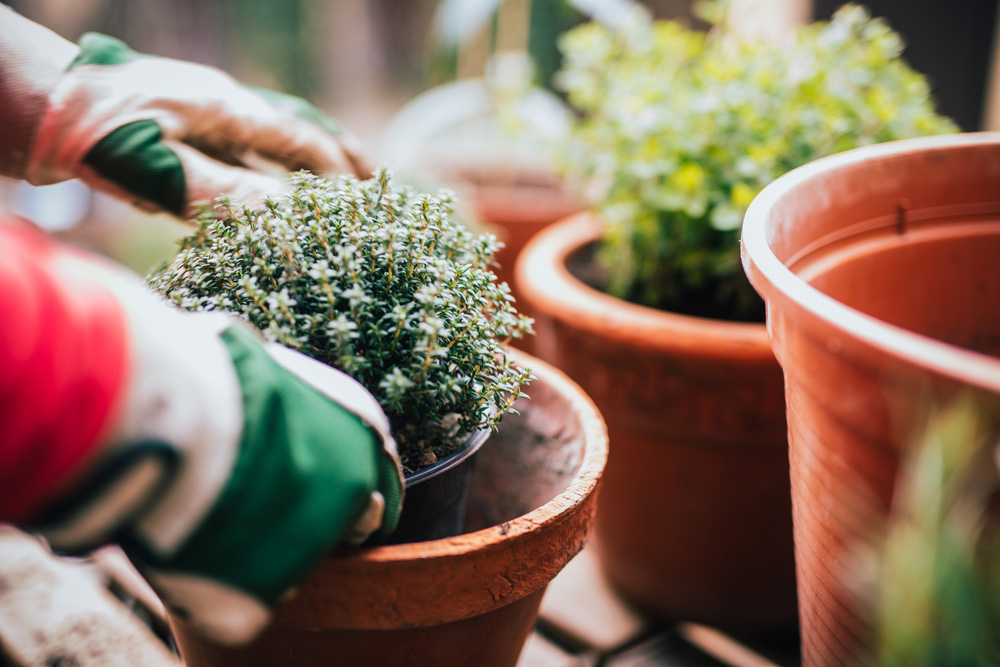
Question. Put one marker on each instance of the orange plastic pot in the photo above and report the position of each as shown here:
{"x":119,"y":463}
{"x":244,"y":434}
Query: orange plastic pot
{"x":695,"y":519}
{"x":465,"y":600}
{"x":881,"y":272}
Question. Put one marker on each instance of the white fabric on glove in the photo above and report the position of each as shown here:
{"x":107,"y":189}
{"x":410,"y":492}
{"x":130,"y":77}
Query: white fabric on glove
{"x":55,"y":112}
{"x":195,"y":105}
{"x":32,"y":59}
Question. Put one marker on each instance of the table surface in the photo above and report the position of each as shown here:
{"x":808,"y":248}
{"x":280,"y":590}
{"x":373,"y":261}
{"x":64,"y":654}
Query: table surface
{"x":583,"y":623}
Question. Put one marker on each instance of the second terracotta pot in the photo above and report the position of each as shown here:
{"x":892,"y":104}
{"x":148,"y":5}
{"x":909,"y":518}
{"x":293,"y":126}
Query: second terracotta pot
{"x":695,"y":519}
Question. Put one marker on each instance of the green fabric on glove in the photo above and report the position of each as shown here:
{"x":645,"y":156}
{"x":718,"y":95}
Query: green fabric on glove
{"x":304,"y":473}
{"x":392,"y":490}
{"x":98,"y":49}
{"x":133,"y":157}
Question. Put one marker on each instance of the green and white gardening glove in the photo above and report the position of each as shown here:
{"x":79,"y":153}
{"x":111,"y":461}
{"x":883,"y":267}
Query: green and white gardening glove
{"x":162,"y":133}
{"x":227,"y":467}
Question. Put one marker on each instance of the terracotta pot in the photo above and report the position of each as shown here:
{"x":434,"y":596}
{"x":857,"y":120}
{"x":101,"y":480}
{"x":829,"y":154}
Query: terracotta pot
{"x":518,"y":206}
{"x":880,"y":270}
{"x":466,"y":600}
{"x":695,"y":519}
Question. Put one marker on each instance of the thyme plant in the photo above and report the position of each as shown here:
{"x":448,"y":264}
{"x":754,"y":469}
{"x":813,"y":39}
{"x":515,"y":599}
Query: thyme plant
{"x":375,"y":280}
{"x":676,"y":131}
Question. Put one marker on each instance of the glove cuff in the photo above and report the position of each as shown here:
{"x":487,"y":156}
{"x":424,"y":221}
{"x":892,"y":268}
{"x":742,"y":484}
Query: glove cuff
{"x":32,"y":59}
{"x":178,"y":387}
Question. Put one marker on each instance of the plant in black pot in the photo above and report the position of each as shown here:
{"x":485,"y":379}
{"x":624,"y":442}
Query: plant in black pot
{"x":380,"y":282}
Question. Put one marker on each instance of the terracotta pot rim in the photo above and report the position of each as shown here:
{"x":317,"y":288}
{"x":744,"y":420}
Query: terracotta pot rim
{"x":583,"y":485}
{"x":429,"y":583}
{"x":547,"y":285}
{"x":772,"y":278}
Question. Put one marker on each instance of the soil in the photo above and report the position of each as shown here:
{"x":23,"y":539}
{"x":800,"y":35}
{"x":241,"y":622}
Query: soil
{"x":419,"y":449}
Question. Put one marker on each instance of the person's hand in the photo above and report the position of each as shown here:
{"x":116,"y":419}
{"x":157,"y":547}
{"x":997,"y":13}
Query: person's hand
{"x":166,"y":134}
{"x":227,"y":468}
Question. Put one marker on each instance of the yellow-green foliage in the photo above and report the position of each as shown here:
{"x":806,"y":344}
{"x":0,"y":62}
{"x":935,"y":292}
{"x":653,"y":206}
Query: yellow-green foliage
{"x":677,"y":130}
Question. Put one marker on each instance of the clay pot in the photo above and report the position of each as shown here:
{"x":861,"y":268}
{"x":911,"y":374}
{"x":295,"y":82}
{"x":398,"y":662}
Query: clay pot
{"x":695,"y":519}
{"x":466,"y":600}
{"x":880,"y":271}
{"x":516,"y":206}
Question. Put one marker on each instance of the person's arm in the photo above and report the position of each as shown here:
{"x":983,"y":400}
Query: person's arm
{"x":226,"y":467}
{"x":162,"y":133}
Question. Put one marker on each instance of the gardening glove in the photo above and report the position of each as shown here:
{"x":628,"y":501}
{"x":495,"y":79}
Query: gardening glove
{"x":226,"y":467}
{"x":161,"y":133}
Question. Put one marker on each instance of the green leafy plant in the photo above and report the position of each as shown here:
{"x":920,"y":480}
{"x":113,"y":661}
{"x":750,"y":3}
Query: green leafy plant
{"x":676,"y":131}
{"x":375,"y":280}
{"x":937,"y":596}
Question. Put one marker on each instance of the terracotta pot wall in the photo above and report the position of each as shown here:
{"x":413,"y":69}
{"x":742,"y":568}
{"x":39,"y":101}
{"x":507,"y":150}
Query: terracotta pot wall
{"x":893,"y":256}
{"x":695,"y":518}
{"x":466,"y":600}
{"x":489,"y":639}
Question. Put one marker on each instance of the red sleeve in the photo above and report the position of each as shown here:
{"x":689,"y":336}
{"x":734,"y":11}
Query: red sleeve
{"x":62,"y":364}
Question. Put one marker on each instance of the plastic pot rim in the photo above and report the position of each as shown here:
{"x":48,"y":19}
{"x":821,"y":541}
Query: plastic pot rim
{"x":468,"y":448}
{"x":771,"y":278}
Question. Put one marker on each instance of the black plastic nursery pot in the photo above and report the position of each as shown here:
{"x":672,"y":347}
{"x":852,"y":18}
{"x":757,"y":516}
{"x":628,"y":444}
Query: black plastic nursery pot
{"x":434,"y":501}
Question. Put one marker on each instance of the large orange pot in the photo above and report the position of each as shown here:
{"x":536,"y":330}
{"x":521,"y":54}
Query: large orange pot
{"x":695,"y":520}
{"x":465,"y":600}
{"x":881,"y":272}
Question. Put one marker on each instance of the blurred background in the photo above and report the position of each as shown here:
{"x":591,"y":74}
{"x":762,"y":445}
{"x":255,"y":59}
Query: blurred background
{"x":418,"y":81}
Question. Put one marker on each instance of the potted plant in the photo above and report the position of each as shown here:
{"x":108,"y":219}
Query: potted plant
{"x":878,"y":267}
{"x":644,"y":303}
{"x":379,"y":282}
{"x":382,"y":283}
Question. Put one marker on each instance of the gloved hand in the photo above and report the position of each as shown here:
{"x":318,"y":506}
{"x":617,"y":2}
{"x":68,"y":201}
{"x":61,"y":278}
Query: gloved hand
{"x":224,"y":466}
{"x":159,"y":132}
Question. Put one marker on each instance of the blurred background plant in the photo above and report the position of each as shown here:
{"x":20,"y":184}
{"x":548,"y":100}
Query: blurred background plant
{"x":365,"y":61}
{"x":486,"y":124}
{"x":676,"y":131}
{"x":937,"y":588}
